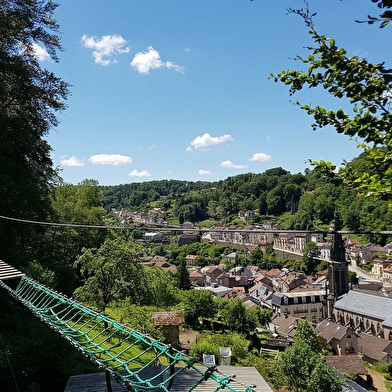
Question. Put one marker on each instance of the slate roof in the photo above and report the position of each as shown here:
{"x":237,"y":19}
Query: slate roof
{"x":284,"y":325}
{"x":303,"y":297}
{"x":346,"y":363}
{"x":330,"y":330}
{"x":374,"y":347}
{"x":367,"y":305}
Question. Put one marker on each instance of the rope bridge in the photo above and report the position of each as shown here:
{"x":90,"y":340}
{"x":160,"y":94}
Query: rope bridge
{"x":127,"y":355}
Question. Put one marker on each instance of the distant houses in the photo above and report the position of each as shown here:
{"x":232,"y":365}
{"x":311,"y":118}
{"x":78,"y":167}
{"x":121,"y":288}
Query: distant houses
{"x":356,"y":323}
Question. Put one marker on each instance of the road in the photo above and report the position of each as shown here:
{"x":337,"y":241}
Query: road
{"x":359,"y":272}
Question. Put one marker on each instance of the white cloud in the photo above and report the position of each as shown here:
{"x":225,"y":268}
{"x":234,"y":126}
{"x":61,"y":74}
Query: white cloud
{"x":208,"y":140}
{"x":231,"y":165}
{"x":260,"y":157}
{"x":110,"y":159}
{"x":105,"y":47}
{"x":189,"y":149}
{"x":204,"y":172}
{"x":187,"y":49}
{"x":40,"y":52}
{"x":72,"y":162}
{"x":140,"y":174}
{"x":143,"y":62}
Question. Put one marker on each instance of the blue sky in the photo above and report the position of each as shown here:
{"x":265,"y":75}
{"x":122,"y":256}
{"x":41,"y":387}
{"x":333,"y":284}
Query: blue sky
{"x":169,"y":89}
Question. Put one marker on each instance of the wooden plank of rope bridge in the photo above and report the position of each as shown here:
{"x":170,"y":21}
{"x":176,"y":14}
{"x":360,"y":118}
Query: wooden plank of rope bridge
{"x":185,"y":381}
{"x":9,"y":272}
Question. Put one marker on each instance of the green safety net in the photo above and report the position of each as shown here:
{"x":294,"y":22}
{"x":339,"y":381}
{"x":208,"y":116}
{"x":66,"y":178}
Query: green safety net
{"x":126,"y":354}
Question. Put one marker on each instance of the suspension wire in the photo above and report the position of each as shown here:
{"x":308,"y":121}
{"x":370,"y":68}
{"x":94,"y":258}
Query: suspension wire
{"x":34,"y":222}
{"x":177,"y":228}
{"x":9,"y":364}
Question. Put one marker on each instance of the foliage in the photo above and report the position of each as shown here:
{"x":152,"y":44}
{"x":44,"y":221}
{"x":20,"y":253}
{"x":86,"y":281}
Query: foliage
{"x":30,"y":96}
{"x":266,"y":367}
{"x":72,"y":204}
{"x":308,"y":203}
{"x":36,"y":271}
{"x":310,"y":253}
{"x":366,"y":86}
{"x":132,"y":195}
{"x":301,"y":366}
{"x":210,"y":253}
{"x":384,"y":18}
{"x":201,"y":200}
{"x":263,"y":316}
{"x":210,"y":343}
{"x":367,"y":267}
{"x":197,"y":304}
{"x":304,"y":370}
{"x":234,"y":315}
{"x":162,"y":289}
{"x":139,"y":318}
{"x":256,"y":256}
{"x":108,"y":273}
{"x":306,"y":334}
{"x":200,"y":348}
{"x":182,"y":275}
{"x":352,"y":277}
{"x":270,"y":260}
{"x":237,"y":317}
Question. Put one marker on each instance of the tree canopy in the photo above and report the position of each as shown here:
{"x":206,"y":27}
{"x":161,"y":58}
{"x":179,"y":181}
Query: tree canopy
{"x":108,"y":273}
{"x":301,"y":366}
{"x":384,"y":18}
{"x":30,"y":97}
{"x":366,"y":87}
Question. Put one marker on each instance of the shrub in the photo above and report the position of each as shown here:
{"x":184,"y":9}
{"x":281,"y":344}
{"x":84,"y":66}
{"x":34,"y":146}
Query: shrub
{"x":200,"y":348}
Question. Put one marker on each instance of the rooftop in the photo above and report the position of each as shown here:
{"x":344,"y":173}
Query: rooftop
{"x":368,"y":305}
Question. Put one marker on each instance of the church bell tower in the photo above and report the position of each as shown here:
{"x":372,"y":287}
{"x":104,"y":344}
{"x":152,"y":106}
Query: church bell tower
{"x":338,"y":266}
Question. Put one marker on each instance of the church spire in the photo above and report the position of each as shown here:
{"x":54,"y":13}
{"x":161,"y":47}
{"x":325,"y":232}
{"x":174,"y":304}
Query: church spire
{"x":338,"y":268}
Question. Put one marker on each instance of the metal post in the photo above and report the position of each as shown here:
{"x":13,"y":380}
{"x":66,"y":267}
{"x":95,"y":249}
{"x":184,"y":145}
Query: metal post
{"x":108,"y":381}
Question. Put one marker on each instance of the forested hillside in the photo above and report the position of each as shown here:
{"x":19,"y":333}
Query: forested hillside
{"x":272,"y":192}
{"x":298,"y":201}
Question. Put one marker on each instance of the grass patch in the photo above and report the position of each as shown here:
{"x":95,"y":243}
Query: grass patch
{"x":110,"y":345}
{"x":172,"y":220}
{"x":385,"y":370}
{"x":206,"y":223}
